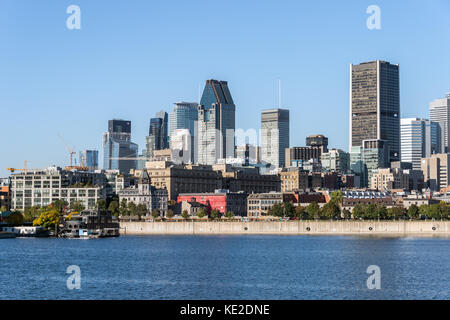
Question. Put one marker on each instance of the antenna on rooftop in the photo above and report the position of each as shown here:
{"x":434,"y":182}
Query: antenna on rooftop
{"x":279,"y":94}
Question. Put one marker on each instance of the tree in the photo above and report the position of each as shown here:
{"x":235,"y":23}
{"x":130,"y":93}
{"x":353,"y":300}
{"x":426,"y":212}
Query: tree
{"x":300,"y":213}
{"x":32,"y":213}
{"x":215,"y":214}
{"x":358,"y":211}
{"x":313,"y":210}
{"x":396,"y":212}
{"x":346,"y":214}
{"x":381,"y":211}
{"x":141,"y":210}
{"x":123,"y":207}
{"x":330,"y":211}
{"x":59,"y":205}
{"x":114,"y":208}
{"x":2,"y":208}
{"x":371,"y":211}
{"x":289,"y":210}
{"x":131,"y":208}
{"x":101,"y":205}
{"x":413,"y":211}
{"x":185,"y":214}
{"x":276,"y":210}
{"x":336,"y":197}
{"x":229,"y":214}
{"x":201,"y":213}
{"x":170,"y":214}
{"x":424,"y":210}
{"x":77,"y":206}
{"x":155,"y":213}
{"x":47,"y":219}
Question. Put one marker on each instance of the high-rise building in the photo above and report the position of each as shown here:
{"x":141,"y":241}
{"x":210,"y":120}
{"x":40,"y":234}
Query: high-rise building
{"x":248,"y":152}
{"x":89,"y":158}
{"x":336,"y":160}
{"x":436,"y":170}
{"x":317,"y":140}
{"x":440,"y":112}
{"x":274,"y":136}
{"x":164,"y":144}
{"x":375,"y":105}
{"x":184,"y":117}
{"x":216,"y":123}
{"x":420,"y":138}
{"x":368,"y":158}
{"x":119,"y":153}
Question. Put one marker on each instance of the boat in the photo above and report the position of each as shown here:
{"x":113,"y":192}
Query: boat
{"x":90,"y":225}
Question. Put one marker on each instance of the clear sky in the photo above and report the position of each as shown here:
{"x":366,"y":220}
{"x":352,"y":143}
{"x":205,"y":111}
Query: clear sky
{"x":133,"y":58}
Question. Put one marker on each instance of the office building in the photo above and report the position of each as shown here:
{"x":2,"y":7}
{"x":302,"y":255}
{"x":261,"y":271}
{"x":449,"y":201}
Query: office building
{"x":249,"y":153}
{"x":118,"y":150}
{"x":216,"y":123}
{"x":295,"y":154}
{"x":440,"y":112}
{"x":89,"y":159}
{"x":375,"y":105}
{"x":319,"y":141}
{"x":274,"y":136}
{"x":436,"y":171}
{"x":336,"y":160}
{"x":420,"y":138}
{"x":184,"y":117}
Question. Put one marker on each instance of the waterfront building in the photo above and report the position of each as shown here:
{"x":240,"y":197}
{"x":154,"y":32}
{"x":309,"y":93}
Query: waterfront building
{"x":118,"y":150}
{"x":258,"y":204}
{"x":274,"y":136}
{"x":89,"y":159}
{"x":145,"y":193}
{"x":420,"y":138}
{"x":216,"y":123}
{"x":354,"y":197}
{"x":436,"y":171}
{"x":42,"y":187}
{"x":440,"y":113}
{"x":192,"y":207}
{"x":375,"y":105}
{"x":336,"y":160}
{"x":222,"y":200}
{"x":5,"y":193}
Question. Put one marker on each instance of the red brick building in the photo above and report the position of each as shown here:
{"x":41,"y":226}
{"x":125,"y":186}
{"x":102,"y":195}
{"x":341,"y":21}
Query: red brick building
{"x":222,"y":200}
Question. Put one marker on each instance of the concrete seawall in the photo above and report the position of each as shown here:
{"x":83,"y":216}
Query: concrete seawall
{"x":388,"y":228}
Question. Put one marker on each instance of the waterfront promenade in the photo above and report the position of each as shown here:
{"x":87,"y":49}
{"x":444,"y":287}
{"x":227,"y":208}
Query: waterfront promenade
{"x":305,"y":227}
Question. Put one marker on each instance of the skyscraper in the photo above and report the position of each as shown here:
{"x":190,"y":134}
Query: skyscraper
{"x":89,"y":158}
{"x":216,"y":123}
{"x":274,"y":136}
{"x":184,"y":117}
{"x":118,"y":150}
{"x":154,"y":140}
{"x":420,"y":138}
{"x":375,"y":105}
{"x":164,"y":144}
{"x":440,"y":112}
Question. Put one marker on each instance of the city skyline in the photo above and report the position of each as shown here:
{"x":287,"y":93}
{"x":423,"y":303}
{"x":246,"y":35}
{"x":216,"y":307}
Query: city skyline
{"x":302,"y":85}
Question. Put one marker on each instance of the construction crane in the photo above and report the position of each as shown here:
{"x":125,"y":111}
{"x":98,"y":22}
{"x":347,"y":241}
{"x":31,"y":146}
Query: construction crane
{"x":71,"y":151}
{"x":24,"y":169}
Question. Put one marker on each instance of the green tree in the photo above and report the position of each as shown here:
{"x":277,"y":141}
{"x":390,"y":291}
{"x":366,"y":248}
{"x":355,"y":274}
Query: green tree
{"x":77,"y":206}
{"x":397,"y":212}
{"x":170,"y":214}
{"x":3,"y":209}
{"x":371,"y":211}
{"x":141,"y":210}
{"x":424,"y":210}
{"x":215,"y":214}
{"x":48,"y":219}
{"x":185,"y":214}
{"x":131,"y":206}
{"x":59,"y":205}
{"x":313,"y":210}
{"x":359,"y":211}
{"x":32,"y":213}
{"x":346,"y":214}
{"x":330,"y":211}
{"x":123,"y":207}
{"x":201,"y":213}
{"x":336,"y":197}
{"x":229,"y":214}
{"x":300,"y":212}
{"x":289,"y":209}
{"x":381,"y":212}
{"x":101,"y":205}
{"x":114,"y":208}
{"x":276,"y":210}
{"x":155,"y":213}
{"x":413,"y":211}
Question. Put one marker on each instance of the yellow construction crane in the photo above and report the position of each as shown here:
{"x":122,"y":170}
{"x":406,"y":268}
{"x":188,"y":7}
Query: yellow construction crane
{"x":24,"y":169}
{"x":71,"y":151}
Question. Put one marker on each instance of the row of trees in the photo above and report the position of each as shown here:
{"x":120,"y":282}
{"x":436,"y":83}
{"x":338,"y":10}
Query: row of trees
{"x":333,"y":210}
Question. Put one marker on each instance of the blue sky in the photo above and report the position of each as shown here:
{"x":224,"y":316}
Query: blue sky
{"x":131,"y":59}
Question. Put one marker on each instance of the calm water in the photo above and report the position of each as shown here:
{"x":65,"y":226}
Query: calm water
{"x":225,"y":267}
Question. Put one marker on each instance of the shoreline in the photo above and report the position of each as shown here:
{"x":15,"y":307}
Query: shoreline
{"x":325,"y":228}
